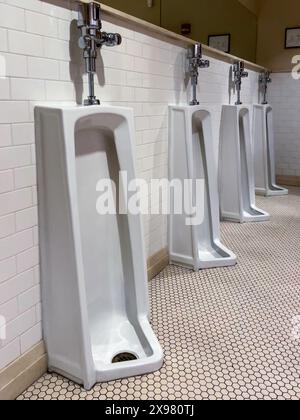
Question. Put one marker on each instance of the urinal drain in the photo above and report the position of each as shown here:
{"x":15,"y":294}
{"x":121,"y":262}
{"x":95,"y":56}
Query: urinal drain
{"x":124,"y":357}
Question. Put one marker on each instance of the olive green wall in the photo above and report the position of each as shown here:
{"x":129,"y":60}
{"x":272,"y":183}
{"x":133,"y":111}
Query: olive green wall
{"x":206,"y":17}
{"x":253,"y":5}
{"x":137,"y":8}
{"x":214,"y":17}
{"x":275,"y":16}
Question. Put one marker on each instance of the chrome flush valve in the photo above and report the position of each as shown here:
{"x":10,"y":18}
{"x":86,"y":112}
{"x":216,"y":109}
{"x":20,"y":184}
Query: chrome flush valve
{"x":195,"y":62}
{"x":264,"y":80}
{"x":239,"y":73}
{"x":92,"y":38}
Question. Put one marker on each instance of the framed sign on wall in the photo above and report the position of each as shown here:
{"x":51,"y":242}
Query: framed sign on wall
{"x":220,"y":42}
{"x":292,"y":38}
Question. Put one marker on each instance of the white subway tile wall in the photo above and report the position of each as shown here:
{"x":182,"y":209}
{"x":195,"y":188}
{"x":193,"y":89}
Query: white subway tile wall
{"x":42,"y":64}
{"x":285,"y":99}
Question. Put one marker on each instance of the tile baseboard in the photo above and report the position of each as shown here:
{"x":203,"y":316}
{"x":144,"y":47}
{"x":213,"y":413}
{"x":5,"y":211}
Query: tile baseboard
{"x":157,"y":263}
{"x":25,"y":370}
{"x":289,"y":181}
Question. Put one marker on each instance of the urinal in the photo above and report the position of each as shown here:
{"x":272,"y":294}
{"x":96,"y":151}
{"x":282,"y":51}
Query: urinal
{"x":264,"y":154}
{"x":93,"y":268}
{"x":236,"y":167}
{"x":195,"y":246}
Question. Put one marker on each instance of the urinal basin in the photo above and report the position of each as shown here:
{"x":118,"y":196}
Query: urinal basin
{"x":93,"y":266}
{"x":236,"y":172}
{"x":190,"y":137}
{"x":264,"y":153}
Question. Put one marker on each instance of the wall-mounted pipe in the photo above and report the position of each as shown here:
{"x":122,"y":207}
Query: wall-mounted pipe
{"x":264,"y":80}
{"x":195,"y":62}
{"x":92,"y":38}
{"x":239,"y":73}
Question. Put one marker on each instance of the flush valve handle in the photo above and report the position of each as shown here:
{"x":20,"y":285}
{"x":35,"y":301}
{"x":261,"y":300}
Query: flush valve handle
{"x":110,"y":39}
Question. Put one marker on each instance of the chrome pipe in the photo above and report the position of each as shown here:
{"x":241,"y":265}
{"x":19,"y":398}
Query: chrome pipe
{"x":264,"y":80}
{"x":239,"y":73}
{"x":195,"y":62}
{"x":92,"y":39}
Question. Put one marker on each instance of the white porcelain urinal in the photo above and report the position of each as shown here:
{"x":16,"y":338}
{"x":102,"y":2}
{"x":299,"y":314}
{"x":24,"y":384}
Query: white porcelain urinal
{"x":191,"y":157}
{"x":236,"y":171}
{"x":93,"y":268}
{"x":264,"y":154}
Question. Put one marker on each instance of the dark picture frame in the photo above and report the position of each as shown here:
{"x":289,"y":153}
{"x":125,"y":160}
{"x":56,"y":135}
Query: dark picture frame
{"x":214,"y":40}
{"x":289,"y":43}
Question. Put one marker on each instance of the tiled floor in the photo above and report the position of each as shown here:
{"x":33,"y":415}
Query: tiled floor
{"x":226,"y":333}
